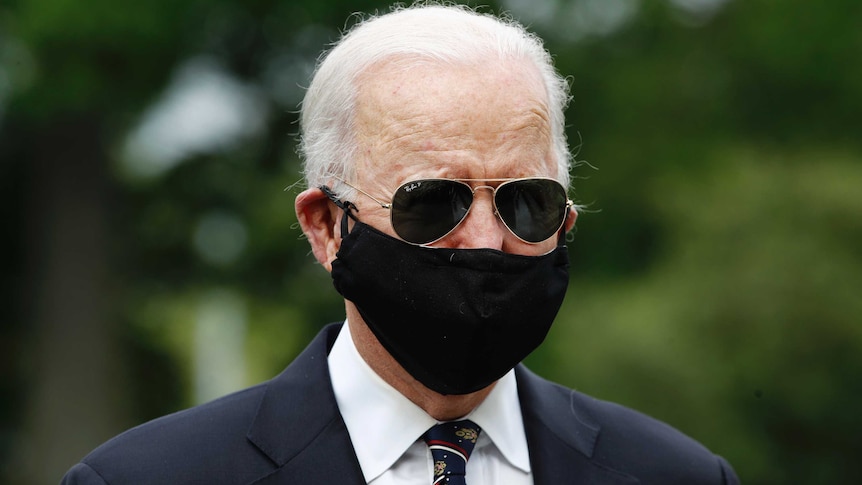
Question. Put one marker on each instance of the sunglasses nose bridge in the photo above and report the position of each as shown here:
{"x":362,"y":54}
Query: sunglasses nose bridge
{"x":481,"y":226}
{"x":493,"y":191}
{"x":482,"y":207}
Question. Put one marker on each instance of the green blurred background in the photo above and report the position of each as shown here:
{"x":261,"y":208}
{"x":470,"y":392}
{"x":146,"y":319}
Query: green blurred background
{"x":151,"y":258}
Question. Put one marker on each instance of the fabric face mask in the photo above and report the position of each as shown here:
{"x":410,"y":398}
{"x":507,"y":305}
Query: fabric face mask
{"x":456,"y":319}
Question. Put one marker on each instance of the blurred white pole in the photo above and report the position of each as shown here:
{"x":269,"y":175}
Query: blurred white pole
{"x":218,"y":347}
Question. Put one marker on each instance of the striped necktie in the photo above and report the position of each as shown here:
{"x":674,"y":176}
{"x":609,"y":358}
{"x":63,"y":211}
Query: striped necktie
{"x":451,"y":444}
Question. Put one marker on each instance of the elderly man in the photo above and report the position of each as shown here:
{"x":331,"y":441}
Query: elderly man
{"x":437,"y":170}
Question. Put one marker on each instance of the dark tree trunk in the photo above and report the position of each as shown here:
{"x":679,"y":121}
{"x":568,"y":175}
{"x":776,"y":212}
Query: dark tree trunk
{"x":73,"y":402}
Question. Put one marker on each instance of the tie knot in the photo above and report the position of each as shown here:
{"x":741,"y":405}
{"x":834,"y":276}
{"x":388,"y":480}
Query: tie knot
{"x":451,"y":445}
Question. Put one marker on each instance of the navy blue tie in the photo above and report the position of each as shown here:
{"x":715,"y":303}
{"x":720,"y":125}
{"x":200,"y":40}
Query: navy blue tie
{"x":451,"y":444}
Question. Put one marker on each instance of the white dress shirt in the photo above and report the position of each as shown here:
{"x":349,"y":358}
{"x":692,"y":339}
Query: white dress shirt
{"x":386,"y":428}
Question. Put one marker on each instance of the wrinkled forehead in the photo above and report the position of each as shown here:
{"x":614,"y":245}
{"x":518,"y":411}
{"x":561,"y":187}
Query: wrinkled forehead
{"x":430,"y":94}
{"x":474,"y":74}
{"x":431,"y":112}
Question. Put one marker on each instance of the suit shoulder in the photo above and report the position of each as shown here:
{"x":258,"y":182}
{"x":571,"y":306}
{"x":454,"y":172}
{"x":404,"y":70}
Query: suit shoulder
{"x":622,"y":422}
{"x":208,"y":440}
{"x":626,"y":440}
{"x":647,"y":447}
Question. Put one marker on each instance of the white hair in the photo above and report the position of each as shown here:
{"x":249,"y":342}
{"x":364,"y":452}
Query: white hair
{"x":447,"y":33}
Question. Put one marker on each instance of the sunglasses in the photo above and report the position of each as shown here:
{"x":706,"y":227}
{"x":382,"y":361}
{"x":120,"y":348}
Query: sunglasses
{"x":427,"y":210}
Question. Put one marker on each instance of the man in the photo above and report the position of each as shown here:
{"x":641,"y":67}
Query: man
{"x":436,"y":165}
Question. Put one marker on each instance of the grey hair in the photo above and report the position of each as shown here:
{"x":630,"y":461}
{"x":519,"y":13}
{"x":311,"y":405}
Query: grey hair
{"x":447,"y":33}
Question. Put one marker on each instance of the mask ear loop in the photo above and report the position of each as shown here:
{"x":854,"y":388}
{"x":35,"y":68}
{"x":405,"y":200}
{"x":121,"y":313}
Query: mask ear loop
{"x":344,"y":205}
{"x":561,"y":238}
{"x":567,"y":237}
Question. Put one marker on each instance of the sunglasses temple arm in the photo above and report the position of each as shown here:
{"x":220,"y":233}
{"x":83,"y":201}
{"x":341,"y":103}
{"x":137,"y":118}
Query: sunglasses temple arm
{"x":561,"y":240}
{"x":344,"y":205}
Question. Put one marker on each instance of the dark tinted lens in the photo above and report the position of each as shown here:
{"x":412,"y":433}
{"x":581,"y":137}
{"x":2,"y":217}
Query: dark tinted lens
{"x":533,"y":209}
{"x":425,"y":210}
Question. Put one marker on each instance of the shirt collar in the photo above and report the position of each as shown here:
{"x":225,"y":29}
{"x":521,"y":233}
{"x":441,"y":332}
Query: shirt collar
{"x":500,"y":418}
{"x":368,"y":403}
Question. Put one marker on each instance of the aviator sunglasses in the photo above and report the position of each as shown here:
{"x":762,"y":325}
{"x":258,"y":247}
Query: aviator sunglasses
{"x":426,"y":210}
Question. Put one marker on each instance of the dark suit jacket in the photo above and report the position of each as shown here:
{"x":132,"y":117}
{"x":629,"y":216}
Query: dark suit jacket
{"x":289,"y":431}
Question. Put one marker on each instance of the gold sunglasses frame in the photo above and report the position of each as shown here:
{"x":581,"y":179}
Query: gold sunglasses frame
{"x":466,"y":182}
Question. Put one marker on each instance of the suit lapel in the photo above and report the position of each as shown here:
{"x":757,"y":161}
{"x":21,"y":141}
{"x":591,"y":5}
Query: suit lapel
{"x":299,"y":428}
{"x":298,"y":425}
{"x":561,"y":441}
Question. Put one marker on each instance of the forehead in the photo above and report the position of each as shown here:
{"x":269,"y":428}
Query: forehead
{"x":484,"y":119}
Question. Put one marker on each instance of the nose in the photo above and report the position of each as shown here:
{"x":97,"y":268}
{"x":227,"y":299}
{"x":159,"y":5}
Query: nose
{"x":481,"y":228}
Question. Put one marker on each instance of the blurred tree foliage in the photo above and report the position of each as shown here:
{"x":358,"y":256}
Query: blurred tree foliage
{"x":715,"y":283}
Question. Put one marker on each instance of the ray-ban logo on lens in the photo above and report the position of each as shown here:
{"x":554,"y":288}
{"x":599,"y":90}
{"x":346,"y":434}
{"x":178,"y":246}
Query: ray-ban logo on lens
{"x":410,"y":187}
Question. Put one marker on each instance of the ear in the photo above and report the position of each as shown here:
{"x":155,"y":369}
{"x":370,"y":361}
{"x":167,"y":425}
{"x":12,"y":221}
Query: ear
{"x":571,"y":217}
{"x":319,"y":217}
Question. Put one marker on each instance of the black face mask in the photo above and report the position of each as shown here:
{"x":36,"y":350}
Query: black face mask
{"x":456,"y":319}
